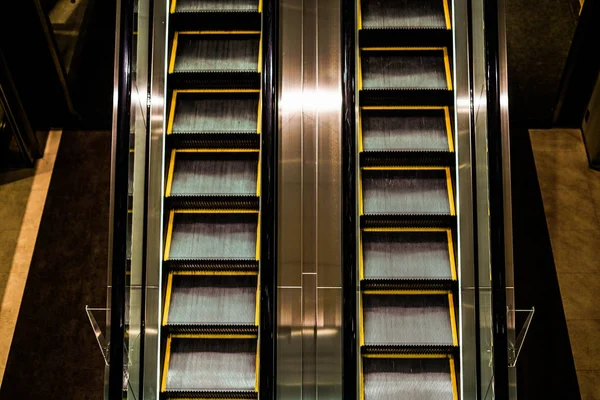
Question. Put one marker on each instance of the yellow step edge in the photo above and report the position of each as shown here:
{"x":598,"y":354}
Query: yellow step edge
{"x":408,"y":356}
{"x":406,"y":292}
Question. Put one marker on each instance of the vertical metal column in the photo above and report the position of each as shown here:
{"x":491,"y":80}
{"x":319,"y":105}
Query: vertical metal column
{"x":309,"y":269}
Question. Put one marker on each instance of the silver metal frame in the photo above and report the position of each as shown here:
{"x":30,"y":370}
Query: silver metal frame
{"x":309,"y":209}
{"x":154,"y":244}
{"x":464,"y":202}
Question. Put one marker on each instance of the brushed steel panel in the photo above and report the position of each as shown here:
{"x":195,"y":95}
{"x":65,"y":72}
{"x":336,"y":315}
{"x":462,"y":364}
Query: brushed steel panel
{"x":329,"y":343}
{"x":289,"y":343}
{"x":309,"y":337}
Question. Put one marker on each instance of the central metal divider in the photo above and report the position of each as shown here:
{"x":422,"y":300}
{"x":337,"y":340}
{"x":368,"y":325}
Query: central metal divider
{"x":309,"y":255}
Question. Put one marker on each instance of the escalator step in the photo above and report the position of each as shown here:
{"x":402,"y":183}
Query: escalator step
{"x":417,"y":379}
{"x":404,"y":13}
{"x":211,"y":300}
{"x":408,"y":320}
{"x":407,"y":191}
{"x":406,"y":68}
{"x":215,"y":60}
{"x":212,"y":236}
{"x":215,"y":14}
{"x":408,"y":254}
{"x":210,"y":368}
{"x":405,"y":37}
{"x":405,"y":97}
{"x":206,"y":179}
{"x":403,"y":128}
{"x":209,"y":112}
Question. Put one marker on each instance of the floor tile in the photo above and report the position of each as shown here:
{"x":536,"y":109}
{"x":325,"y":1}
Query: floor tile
{"x":556,"y":139}
{"x":576,"y":250}
{"x":595,"y":195}
{"x":579,"y":294}
{"x":569,"y":209}
{"x":593,"y":179}
{"x":584,"y":334}
{"x":589,"y":384}
{"x":564,"y":170}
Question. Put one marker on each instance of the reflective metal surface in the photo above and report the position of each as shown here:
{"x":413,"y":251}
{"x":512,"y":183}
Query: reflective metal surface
{"x":508,"y":235}
{"x":309,"y":206}
{"x":155,"y":195}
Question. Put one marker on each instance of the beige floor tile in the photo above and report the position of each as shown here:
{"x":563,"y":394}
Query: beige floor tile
{"x":589,"y":384}
{"x":593,"y":179}
{"x":569,"y":209}
{"x":556,"y":139}
{"x":579,"y":294}
{"x":595,"y":195}
{"x":584,"y":334}
{"x":576,"y":250}
{"x":564,"y":170}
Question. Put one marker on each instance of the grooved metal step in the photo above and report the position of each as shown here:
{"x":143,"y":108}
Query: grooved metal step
{"x":404,"y":13}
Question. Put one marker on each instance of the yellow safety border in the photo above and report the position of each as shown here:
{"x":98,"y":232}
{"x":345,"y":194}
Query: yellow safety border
{"x":203,"y":211}
{"x":175,"y":43}
{"x":453,"y":378}
{"x":163,"y":386}
{"x":444,"y":50}
{"x":409,"y":168}
{"x":407,"y":108}
{"x":167,"y":305}
{"x":174,"y":153}
{"x":359,"y":14}
{"x":448,"y":231}
{"x":447,"y":15}
{"x":198,"y":91}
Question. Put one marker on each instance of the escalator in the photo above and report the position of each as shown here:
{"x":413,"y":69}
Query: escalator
{"x":212,"y":305}
{"x":407,"y":278}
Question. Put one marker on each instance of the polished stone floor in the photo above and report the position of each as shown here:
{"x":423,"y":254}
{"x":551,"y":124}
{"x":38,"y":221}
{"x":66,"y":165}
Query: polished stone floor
{"x":571,"y":196}
{"x":22,"y":199}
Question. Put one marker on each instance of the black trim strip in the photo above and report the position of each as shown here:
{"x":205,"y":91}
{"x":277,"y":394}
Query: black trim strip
{"x":496,"y":193}
{"x":268,"y":200}
{"x":349,"y":222}
{"x":120,"y":197}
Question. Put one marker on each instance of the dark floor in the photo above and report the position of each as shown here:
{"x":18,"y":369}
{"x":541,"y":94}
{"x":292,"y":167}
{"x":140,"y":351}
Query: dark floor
{"x":54,"y":354}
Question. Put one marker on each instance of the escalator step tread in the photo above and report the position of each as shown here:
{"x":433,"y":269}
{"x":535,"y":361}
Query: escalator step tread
{"x":407,"y":320}
{"x":406,"y":192}
{"x":212,"y":300}
{"x":405,"y":129}
{"x":427,"y":379}
{"x":221,"y":173}
{"x":403,"y":13}
{"x":418,"y":255}
{"x":399,"y":36}
{"x":216,"y":53}
{"x":412,"y":158}
{"x":213,"y":236}
{"x":215,"y":5}
{"x":199,"y":112}
{"x":211,"y":365}
{"x":423,"y":69}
